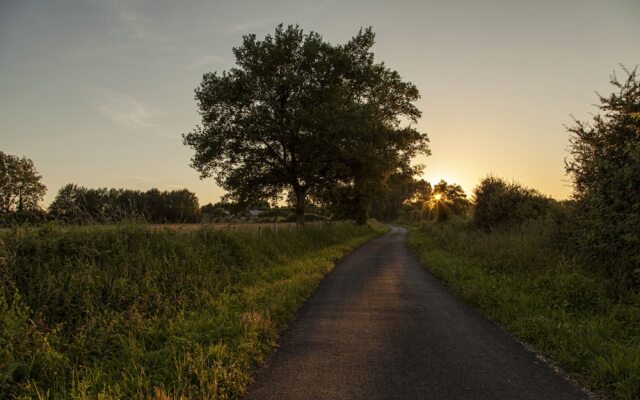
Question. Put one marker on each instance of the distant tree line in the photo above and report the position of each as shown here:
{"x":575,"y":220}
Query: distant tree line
{"x":78,"y":204}
{"x":21,"y":191}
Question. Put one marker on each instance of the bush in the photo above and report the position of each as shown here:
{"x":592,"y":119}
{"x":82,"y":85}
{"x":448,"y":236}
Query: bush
{"x":30,"y":217}
{"x":605,"y":168}
{"x":497,"y":203}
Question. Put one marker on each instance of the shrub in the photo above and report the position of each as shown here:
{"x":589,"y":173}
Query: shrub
{"x":497,"y":203}
{"x":605,"y":167}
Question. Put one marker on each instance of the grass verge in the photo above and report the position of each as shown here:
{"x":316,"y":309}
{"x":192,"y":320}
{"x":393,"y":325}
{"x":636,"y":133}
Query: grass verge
{"x":133,"y":313}
{"x":566,"y":313}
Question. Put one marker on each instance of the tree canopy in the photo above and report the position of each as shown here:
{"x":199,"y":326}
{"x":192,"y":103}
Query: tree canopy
{"x":448,"y":199}
{"x":402,"y":197}
{"x":20,"y":186}
{"x":299,"y":115}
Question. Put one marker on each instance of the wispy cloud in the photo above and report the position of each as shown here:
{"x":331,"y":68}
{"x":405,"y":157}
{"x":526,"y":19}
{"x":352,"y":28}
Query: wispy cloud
{"x":132,"y":114}
{"x":126,"y":16}
{"x":126,"y":111}
{"x":98,"y":50}
{"x":129,"y":30}
{"x":253,"y":24}
{"x":175,"y":186}
{"x":203,"y":61}
{"x":322,"y":6}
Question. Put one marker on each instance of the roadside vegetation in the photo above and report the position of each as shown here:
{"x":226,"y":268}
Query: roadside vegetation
{"x":518,"y":277}
{"x":129,"y":312}
{"x":562,"y":276}
{"x":303,"y":129}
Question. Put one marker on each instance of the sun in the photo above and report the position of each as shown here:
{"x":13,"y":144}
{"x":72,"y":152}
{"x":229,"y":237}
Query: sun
{"x":438,"y":196}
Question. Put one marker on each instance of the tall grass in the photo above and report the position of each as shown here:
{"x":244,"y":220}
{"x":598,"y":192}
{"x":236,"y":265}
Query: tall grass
{"x":132,"y":313}
{"x":517,"y":278}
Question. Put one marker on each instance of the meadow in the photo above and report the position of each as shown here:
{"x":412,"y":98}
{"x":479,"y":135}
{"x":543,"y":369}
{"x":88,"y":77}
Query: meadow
{"x":518,"y":277}
{"x":128,"y":312}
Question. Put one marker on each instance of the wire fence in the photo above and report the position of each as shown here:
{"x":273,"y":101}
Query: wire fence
{"x":258,"y":227}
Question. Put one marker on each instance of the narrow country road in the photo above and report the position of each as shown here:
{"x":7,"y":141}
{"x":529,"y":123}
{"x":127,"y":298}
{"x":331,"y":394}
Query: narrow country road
{"x":381,"y":327}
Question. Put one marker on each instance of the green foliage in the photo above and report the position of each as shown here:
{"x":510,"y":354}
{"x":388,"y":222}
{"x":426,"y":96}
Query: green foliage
{"x":497,"y":203}
{"x":302,"y":116}
{"x":448,"y":199}
{"x":20,"y":186}
{"x":605,"y":167}
{"x":131,"y":313}
{"x":77,"y":204}
{"x":403,"y":197}
{"x":30,"y":217}
{"x":519,"y":278}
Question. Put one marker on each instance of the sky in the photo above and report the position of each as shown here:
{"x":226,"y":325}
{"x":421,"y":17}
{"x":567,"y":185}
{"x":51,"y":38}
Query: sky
{"x":99,"y":92}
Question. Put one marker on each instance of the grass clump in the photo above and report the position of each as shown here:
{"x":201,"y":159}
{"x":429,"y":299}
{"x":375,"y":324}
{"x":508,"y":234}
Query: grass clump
{"x":566,"y":311}
{"x":132,"y":313}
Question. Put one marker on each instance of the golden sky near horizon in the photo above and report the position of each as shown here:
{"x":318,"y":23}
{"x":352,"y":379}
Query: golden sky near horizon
{"x":98,"y":92}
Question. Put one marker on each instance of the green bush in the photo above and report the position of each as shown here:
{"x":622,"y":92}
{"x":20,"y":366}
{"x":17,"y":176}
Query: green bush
{"x":497,"y":203}
{"x":605,"y":167}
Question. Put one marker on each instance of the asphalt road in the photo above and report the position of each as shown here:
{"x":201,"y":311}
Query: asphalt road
{"x":381,"y":327}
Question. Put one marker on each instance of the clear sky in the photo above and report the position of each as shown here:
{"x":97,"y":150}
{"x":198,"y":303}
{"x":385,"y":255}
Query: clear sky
{"x":98,"y":92}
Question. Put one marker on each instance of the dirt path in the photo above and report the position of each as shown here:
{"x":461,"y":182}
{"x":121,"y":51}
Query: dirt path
{"x":381,"y":327}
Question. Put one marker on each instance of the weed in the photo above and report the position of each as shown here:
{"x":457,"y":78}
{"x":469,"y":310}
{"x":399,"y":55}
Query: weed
{"x":563,"y":309}
{"x":134,"y":313}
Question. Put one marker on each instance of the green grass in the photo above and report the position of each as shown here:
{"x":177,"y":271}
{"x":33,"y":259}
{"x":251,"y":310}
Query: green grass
{"x":132,"y":313}
{"x":517,"y":279}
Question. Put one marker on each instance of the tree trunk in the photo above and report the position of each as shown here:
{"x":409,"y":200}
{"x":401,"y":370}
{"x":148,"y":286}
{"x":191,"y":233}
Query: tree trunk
{"x":301,"y":195}
{"x":363,"y":210}
{"x":20,"y":203}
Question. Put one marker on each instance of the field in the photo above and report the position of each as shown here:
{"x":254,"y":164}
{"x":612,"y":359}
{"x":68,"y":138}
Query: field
{"x":128,"y":312}
{"x":515,"y":277}
{"x":188,"y":227}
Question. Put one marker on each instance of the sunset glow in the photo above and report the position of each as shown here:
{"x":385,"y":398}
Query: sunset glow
{"x":498,"y":81}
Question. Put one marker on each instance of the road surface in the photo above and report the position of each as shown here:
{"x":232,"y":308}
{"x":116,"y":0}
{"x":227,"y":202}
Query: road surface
{"x":381,"y":327}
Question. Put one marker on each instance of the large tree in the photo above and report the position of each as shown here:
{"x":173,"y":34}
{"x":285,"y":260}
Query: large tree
{"x":605,"y":167}
{"x":299,"y":115}
{"x":20,"y":186}
{"x":375,"y":144}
